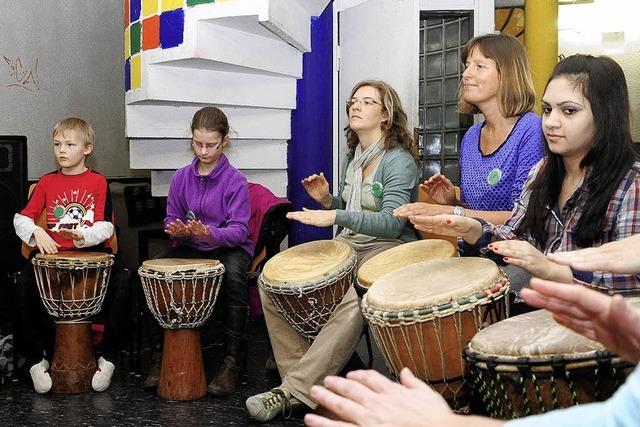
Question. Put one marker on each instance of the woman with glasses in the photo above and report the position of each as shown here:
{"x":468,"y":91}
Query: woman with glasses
{"x":497,"y":153}
{"x":208,"y":211}
{"x":378,"y":175}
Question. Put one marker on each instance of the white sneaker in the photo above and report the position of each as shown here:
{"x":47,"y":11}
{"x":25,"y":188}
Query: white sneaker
{"x":40,"y":377}
{"x":102,"y":378}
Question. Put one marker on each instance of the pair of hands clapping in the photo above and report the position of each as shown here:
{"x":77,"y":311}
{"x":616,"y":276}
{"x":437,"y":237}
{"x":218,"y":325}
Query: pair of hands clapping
{"x":179,"y":229}
{"x":441,"y":191}
{"x":317,"y":187}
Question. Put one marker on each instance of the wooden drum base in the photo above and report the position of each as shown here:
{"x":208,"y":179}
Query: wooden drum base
{"x":182,"y":370}
{"x":73,"y":363}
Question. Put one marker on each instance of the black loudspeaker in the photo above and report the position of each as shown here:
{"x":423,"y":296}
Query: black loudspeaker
{"x":13,"y":195}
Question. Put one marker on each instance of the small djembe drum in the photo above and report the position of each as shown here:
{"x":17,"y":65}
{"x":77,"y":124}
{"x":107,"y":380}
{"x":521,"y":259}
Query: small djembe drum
{"x":401,"y":256}
{"x":72,"y":286}
{"x":529,"y":364}
{"x":181,"y":294}
{"x":423,"y":315}
{"x":306,"y":282}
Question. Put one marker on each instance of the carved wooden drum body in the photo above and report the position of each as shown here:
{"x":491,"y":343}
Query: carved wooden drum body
{"x":72,"y":285}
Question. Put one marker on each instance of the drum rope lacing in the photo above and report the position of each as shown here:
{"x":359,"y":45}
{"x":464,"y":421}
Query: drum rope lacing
{"x":308,"y":307}
{"x":182,"y":299}
{"x":67,"y":296}
{"x":402,"y":318}
{"x":541,"y":379}
{"x":382,"y":325}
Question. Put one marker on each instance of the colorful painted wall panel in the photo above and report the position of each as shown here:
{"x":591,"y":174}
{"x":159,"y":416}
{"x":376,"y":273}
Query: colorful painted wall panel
{"x":149,"y":8}
{"x":171,"y":28}
{"x":151,"y":31}
{"x":149,"y":25}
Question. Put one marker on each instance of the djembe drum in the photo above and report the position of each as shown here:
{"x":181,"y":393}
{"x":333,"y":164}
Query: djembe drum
{"x":401,"y":256}
{"x":423,"y":315}
{"x":529,"y":364}
{"x":306,"y":282}
{"x":181,"y":294}
{"x":72,"y":285}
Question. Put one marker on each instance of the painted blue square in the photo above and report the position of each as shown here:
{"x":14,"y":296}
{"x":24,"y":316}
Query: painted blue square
{"x":134,"y":10}
{"x":127,"y":75}
{"x":171,"y":28}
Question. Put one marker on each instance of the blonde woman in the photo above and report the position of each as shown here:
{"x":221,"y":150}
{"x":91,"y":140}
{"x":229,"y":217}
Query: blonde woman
{"x":496,"y":154}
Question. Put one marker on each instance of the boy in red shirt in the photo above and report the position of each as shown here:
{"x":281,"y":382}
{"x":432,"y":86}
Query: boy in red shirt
{"x":77,"y":204}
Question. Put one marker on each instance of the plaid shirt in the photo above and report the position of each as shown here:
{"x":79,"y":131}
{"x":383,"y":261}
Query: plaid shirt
{"x":621,"y":220}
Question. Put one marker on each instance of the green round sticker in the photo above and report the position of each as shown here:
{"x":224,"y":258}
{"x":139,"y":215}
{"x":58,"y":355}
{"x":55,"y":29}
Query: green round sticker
{"x":58,"y":211}
{"x":376,"y":189}
{"x":494,"y":177}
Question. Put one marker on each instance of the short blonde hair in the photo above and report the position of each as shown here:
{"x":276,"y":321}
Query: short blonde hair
{"x":84,"y":129}
{"x":516,"y":94}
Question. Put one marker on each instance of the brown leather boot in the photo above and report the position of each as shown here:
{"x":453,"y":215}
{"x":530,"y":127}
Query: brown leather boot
{"x":153,"y":378}
{"x":235,"y":329}
{"x":227,"y":379}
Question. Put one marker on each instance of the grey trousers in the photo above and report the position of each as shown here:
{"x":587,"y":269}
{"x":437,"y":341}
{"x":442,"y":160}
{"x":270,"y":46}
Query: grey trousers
{"x":303,"y":364}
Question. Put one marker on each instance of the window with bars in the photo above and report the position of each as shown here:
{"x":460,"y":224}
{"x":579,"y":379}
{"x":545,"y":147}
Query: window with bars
{"x":441,"y":127}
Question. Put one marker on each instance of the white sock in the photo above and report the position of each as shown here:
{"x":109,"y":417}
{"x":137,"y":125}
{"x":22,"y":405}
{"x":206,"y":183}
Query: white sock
{"x":102,"y":378}
{"x":40,"y":377}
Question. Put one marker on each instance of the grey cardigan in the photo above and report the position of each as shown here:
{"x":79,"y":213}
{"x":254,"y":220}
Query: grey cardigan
{"x":398,"y":175}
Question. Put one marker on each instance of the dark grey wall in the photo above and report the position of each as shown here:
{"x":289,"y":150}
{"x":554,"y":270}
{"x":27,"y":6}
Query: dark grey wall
{"x":77,"y":46}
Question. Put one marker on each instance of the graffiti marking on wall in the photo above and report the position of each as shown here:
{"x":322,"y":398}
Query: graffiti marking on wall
{"x":22,"y":76}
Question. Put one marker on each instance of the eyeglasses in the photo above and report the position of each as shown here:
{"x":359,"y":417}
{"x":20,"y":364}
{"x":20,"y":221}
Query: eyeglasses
{"x":209,"y":147}
{"x":365,"y":101}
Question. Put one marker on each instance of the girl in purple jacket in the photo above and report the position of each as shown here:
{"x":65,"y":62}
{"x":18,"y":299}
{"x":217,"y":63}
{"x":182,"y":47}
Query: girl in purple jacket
{"x":208,"y":213}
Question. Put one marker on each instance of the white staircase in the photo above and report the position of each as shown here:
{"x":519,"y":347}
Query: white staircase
{"x":243,"y":56}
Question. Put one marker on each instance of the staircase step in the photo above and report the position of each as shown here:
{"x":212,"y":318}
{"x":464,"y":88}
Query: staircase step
{"x":200,"y":85}
{"x":175,"y":153}
{"x":222,"y":48}
{"x":157,"y":119}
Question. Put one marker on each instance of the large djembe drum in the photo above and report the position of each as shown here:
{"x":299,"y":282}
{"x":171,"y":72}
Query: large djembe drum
{"x":401,"y":256}
{"x":72,"y":286}
{"x":306,"y":282}
{"x":529,"y":364}
{"x":181,"y":294}
{"x":423,"y":315}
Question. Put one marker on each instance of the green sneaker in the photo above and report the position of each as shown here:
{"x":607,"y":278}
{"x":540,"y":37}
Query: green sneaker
{"x":266,"y":406}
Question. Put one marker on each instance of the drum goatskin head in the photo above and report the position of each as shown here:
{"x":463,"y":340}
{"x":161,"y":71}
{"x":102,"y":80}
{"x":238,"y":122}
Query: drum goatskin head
{"x":307,"y":262}
{"x":403,"y":255}
{"x":176,"y":265}
{"x":533,"y":335}
{"x":75,"y":256}
{"x":431,"y":283}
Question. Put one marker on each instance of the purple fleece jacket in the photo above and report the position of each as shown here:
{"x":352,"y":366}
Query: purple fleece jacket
{"x":220,"y":200}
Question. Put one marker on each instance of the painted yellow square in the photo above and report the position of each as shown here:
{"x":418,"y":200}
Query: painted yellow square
{"x":149,"y":7}
{"x":172,"y":5}
{"x":127,"y":43}
{"x":136,"y":72}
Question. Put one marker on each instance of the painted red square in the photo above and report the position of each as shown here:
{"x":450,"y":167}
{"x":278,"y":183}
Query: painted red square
{"x":126,"y":13}
{"x":151,"y":32}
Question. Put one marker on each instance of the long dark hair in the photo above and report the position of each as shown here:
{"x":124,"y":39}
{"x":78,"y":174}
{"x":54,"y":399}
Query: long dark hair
{"x":611,"y":155}
{"x":396,"y":130}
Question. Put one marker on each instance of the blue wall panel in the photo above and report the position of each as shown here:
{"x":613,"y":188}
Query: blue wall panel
{"x":311,"y":147}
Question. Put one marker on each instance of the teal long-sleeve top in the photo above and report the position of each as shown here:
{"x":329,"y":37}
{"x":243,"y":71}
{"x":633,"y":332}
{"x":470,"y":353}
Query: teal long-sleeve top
{"x":397,"y":175}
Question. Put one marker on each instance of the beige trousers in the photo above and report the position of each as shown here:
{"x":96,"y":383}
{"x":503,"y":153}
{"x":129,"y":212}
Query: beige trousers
{"x":303,"y":364}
